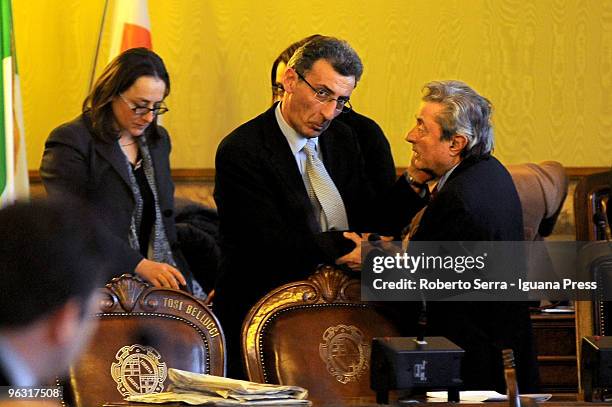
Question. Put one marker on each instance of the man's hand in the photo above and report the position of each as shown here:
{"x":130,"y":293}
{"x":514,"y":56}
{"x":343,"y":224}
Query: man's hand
{"x":419,"y":176}
{"x":352,"y":259}
{"x":160,"y":274}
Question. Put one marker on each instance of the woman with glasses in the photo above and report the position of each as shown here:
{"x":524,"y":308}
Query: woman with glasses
{"x":115,"y":157}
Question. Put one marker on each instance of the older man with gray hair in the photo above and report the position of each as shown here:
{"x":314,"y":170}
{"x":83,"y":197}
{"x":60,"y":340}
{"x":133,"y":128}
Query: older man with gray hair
{"x":474,"y":199}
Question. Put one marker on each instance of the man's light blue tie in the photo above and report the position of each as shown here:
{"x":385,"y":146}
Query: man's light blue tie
{"x":326,"y":200}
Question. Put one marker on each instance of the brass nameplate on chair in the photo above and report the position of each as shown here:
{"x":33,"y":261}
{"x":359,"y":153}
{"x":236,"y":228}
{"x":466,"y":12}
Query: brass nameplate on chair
{"x":193,"y":311}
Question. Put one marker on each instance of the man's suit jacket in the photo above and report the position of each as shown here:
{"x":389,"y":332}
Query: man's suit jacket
{"x":268,"y":230}
{"x":479,"y":202}
{"x":77,"y":164}
{"x":375,"y":149}
{"x":267,"y":227}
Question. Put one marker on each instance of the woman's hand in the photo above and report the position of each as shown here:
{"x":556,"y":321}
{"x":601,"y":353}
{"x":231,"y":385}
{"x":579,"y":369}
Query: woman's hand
{"x":160,"y":274}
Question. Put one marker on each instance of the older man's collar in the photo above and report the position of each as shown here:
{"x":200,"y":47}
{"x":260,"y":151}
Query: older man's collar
{"x":445,"y":176}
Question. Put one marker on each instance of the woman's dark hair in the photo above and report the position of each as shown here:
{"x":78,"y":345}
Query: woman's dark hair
{"x":119,"y":76}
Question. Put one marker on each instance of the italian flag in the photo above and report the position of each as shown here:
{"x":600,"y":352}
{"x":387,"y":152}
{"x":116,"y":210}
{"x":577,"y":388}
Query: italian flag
{"x":130,"y":25}
{"x":14,"y":183}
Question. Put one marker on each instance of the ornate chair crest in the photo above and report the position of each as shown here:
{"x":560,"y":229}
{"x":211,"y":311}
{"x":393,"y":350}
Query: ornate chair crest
{"x":316,"y":334}
{"x":142,"y":331}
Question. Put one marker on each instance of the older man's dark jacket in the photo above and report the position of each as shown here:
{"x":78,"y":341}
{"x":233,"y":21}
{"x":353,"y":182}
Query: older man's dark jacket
{"x":478,"y":202}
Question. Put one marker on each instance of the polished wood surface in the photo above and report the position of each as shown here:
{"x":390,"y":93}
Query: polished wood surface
{"x":554,"y":336}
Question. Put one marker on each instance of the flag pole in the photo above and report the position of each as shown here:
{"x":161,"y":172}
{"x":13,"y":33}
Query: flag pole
{"x":20,"y":163}
{"x":93,"y":70}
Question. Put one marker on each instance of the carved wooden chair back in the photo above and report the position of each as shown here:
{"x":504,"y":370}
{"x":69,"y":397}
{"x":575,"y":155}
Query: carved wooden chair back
{"x":142,"y":331}
{"x":316,"y":334}
{"x":591,"y":197}
{"x":591,"y":200}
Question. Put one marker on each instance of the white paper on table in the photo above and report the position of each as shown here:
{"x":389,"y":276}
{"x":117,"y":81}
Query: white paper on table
{"x":200,"y":399}
{"x":485,"y":395}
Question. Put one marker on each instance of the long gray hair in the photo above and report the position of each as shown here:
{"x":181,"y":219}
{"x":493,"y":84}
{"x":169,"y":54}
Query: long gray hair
{"x":464,"y":112}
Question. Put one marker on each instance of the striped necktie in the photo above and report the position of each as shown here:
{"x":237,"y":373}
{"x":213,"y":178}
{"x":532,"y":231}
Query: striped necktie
{"x":322,"y":191}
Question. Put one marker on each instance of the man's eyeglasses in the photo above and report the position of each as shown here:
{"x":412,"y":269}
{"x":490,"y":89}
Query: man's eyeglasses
{"x":143,"y":110}
{"x":322,"y":96}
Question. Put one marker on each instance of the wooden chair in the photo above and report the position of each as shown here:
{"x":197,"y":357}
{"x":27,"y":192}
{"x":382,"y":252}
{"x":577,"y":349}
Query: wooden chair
{"x":142,"y":331}
{"x":591,"y":196}
{"x":315,"y":334}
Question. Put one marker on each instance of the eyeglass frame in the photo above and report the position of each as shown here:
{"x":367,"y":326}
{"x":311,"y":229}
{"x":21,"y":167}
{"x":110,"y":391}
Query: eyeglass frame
{"x":155,"y":110}
{"x":346,"y":105}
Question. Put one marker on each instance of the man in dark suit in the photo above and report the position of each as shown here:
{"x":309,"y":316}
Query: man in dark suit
{"x":51,"y":261}
{"x":474,"y":200}
{"x":375,"y":148}
{"x":273,"y":215}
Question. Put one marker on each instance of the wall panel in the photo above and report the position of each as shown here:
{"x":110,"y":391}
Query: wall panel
{"x":545,"y":64}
